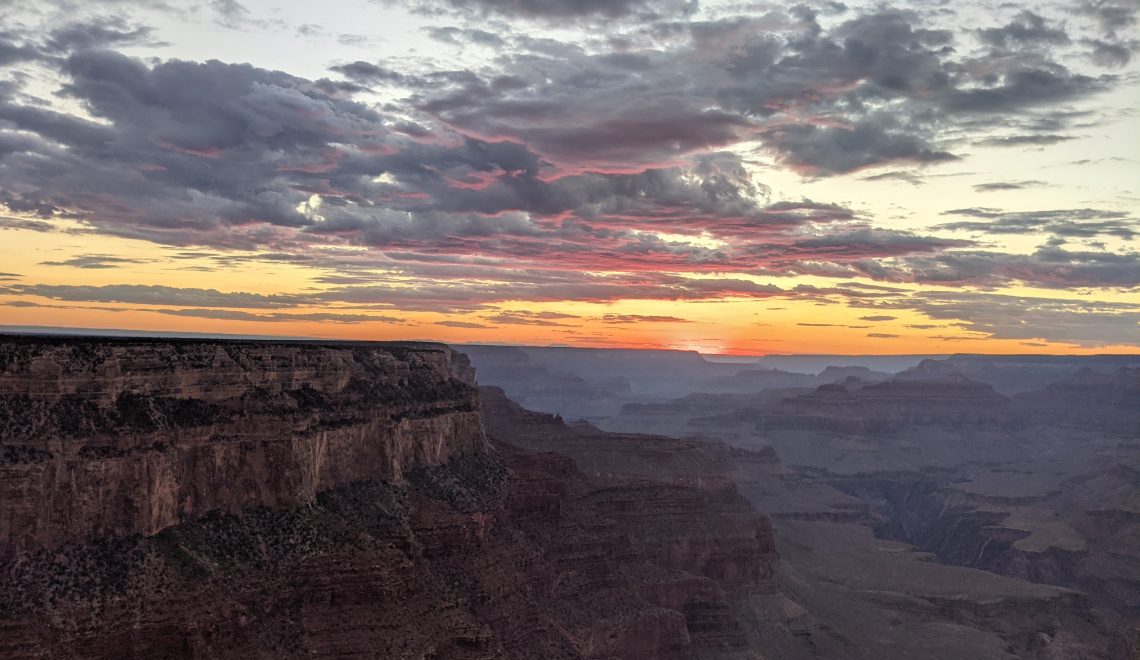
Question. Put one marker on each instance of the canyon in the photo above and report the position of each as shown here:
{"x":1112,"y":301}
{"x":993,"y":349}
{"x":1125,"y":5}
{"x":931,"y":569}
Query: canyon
{"x":235,"y":498}
{"x":953,"y":471}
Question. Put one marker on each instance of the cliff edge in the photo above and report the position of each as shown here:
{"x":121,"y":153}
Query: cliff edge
{"x":113,"y":437}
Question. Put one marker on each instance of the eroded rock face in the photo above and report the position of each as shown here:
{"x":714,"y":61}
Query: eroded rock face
{"x":661,"y":513}
{"x":115,"y":437}
{"x":250,"y":499}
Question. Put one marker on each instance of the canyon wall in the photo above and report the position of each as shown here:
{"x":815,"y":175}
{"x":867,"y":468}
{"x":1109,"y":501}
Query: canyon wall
{"x":170,"y":498}
{"x":116,"y":437}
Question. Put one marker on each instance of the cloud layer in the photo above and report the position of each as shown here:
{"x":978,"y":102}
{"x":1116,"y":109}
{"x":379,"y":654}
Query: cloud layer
{"x":621,"y":164}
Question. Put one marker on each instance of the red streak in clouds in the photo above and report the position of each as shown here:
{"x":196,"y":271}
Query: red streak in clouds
{"x":482,"y":180}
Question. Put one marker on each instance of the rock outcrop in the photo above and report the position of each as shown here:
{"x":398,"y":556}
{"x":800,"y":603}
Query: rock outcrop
{"x":106,"y":437}
{"x":251,"y":499}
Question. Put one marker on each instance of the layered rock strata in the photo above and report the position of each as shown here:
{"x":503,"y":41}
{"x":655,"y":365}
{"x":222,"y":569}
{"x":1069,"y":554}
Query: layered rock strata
{"x":117,"y":437}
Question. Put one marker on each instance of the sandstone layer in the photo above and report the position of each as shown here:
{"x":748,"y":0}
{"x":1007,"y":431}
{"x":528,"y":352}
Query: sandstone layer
{"x":115,"y":437}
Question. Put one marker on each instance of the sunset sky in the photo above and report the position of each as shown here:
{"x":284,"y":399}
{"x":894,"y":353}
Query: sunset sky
{"x":729,"y":177}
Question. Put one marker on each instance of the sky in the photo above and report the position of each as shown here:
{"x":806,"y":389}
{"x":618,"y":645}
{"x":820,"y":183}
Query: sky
{"x":729,"y":177}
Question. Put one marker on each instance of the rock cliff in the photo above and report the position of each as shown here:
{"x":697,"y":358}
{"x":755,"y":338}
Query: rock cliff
{"x":118,"y":437}
{"x":252,"y":499}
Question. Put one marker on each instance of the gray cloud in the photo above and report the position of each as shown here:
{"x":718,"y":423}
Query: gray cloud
{"x":1083,"y":322}
{"x":278,"y":317}
{"x":94,"y":261}
{"x":993,"y":186}
{"x":150,"y":294}
{"x":1110,"y":15}
{"x":464,"y":324}
{"x":1027,"y":28}
{"x":552,"y":10}
{"x":519,"y":180}
{"x":1048,"y":267}
{"x":98,"y":33}
{"x":640,"y":318}
{"x":1112,"y":54}
{"x":1066,"y":223}
{"x":1036,"y":140}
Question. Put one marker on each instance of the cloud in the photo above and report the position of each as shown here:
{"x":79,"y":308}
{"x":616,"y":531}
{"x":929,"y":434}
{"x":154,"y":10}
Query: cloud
{"x":1083,"y":322}
{"x":367,"y":73}
{"x":278,"y":317}
{"x":1027,"y":28}
{"x":94,"y":261}
{"x":993,"y":186}
{"x":542,"y":318}
{"x":907,"y":177}
{"x":831,"y":150}
{"x":152,"y":294}
{"x":99,"y":33}
{"x":878,"y":317}
{"x":600,"y":169}
{"x":1025,"y":140}
{"x":464,"y":324}
{"x":641,"y":318}
{"x":833,"y":325}
{"x":1048,"y":267}
{"x":1112,"y":54}
{"x":881,"y":335}
{"x":553,"y":10}
{"x":1065,"y":223}
{"x":1110,"y":15}
{"x":26,"y":225}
